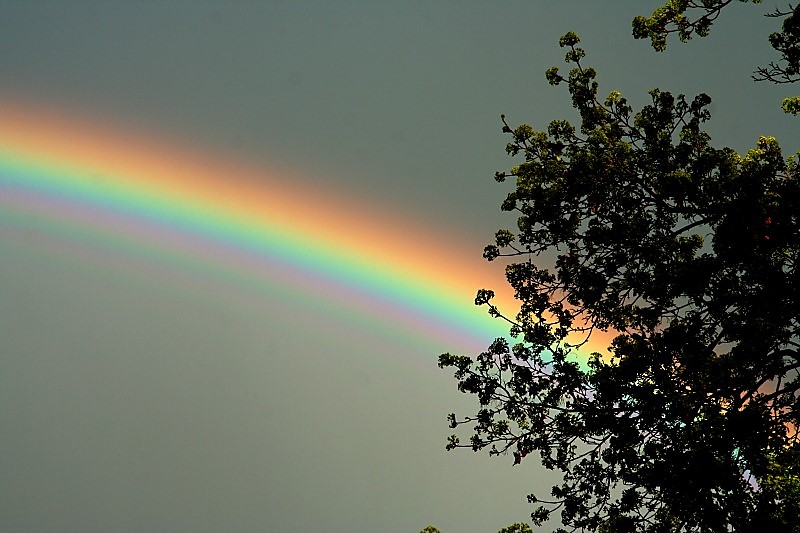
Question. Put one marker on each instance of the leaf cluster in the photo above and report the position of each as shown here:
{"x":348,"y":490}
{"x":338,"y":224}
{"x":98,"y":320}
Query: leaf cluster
{"x":688,"y":254}
{"x":787,"y":43}
{"x":688,"y":18}
{"x":671,"y":18}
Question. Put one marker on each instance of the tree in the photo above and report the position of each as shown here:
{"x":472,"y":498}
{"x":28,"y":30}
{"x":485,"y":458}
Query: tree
{"x":633,"y":223}
{"x":671,"y":18}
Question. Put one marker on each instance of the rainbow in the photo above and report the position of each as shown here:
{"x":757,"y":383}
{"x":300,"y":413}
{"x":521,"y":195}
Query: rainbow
{"x":127,"y":198}
{"x":140,"y":201}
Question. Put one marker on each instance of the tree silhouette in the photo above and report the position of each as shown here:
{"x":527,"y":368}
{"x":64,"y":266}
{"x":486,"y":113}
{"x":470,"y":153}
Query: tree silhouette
{"x":633,"y":223}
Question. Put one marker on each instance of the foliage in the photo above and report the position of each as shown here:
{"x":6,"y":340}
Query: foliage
{"x":513,"y":528}
{"x":689,"y":255}
{"x":517,"y":528}
{"x":672,"y":17}
{"x":787,"y":42}
{"x":791,"y":105}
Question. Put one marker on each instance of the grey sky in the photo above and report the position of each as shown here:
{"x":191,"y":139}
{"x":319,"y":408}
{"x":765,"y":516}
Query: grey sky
{"x":131,"y":407}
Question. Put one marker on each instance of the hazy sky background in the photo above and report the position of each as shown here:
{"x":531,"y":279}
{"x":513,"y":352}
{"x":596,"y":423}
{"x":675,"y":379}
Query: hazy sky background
{"x":131,"y":406}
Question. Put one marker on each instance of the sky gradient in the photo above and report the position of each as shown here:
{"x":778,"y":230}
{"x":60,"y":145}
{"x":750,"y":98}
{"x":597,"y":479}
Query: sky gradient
{"x":235,"y":237}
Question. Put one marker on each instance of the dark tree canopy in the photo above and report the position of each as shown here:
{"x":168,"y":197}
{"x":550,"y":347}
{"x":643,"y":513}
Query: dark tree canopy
{"x":632,"y":222}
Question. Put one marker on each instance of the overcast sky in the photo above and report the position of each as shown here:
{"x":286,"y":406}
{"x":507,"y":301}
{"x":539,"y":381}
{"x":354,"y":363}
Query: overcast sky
{"x":133,"y":406}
